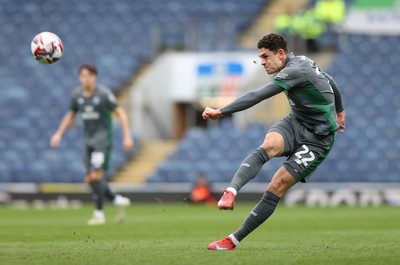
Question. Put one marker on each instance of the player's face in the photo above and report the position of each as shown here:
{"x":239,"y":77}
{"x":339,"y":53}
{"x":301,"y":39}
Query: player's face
{"x":272,"y":62}
{"x":88,"y":79}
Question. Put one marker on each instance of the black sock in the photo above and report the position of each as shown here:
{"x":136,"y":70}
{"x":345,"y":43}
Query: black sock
{"x":249,"y":168}
{"x":98,"y":193}
{"x":107,"y":191}
{"x":258,"y":215}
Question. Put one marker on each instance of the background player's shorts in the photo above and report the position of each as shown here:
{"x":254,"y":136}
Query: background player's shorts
{"x":97,"y":158}
{"x":305,"y":150}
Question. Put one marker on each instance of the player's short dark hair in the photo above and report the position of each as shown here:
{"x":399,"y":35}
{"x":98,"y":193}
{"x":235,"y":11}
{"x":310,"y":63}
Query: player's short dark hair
{"x":88,"y":66}
{"x":273,"y":42}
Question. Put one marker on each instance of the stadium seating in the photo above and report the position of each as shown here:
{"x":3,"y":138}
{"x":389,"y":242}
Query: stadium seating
{"x":366,"y":69}
{"x":216,"y":152}
{"x":117,"y":36}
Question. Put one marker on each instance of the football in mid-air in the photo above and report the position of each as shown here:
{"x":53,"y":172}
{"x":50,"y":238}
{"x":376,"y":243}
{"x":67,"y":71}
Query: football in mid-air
{"x":47,"y":48}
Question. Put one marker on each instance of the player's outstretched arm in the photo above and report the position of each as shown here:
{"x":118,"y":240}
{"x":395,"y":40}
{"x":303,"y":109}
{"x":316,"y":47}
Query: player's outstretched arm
{"x":251,"y":98}
{"x":64,"y":125}
{"x":244,"y":102}
{"x":123,"y":119}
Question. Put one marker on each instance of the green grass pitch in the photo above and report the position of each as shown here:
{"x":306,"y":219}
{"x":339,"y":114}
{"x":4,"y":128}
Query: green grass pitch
{"x":161,"y":233}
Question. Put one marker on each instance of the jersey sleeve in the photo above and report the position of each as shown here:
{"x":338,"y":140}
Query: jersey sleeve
{"x":73,"y":106}
{"x":338,"y":98}
{"x":288,"y":78}
{"x":251,"y":98}
{"x":111,"y":101}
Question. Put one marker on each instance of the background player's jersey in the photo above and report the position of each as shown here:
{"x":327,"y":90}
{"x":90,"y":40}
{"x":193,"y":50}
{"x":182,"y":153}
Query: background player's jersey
{"x":96,"y":114}
{"x":309,"y":93}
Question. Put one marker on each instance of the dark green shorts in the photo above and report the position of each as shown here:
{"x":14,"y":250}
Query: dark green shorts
{"x":97,"y":157}
{"x":305,"y":149}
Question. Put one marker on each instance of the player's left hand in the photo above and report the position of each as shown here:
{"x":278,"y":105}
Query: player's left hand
{"x":341,"y":118}
{"x":128,"y":143}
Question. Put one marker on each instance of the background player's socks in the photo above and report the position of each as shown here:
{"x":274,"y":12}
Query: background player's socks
{"x":107,"y":191}
{"x":261,"y":212}
{"x":98,"y":193}
{"x":249,"y":168}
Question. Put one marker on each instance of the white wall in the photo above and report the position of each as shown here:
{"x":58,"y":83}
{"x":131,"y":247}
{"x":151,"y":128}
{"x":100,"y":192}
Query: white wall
{"x":173,"y":77}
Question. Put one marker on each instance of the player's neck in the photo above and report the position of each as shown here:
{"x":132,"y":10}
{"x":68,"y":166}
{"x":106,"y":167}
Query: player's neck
{"x":88,"y":91}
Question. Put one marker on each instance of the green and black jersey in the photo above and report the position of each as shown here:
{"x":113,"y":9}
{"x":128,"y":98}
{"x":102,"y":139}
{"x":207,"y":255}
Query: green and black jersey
{"x":313,"y":95}
{"x":96,"y":112}
{"x":310,"y":94}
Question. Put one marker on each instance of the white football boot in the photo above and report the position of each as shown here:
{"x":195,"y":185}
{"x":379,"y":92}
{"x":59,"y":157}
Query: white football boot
{"x":98,"y":218}
{"x":121,"y":203}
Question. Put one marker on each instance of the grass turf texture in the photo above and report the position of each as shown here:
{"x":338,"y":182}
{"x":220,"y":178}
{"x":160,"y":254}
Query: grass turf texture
{"x":179,"y":234}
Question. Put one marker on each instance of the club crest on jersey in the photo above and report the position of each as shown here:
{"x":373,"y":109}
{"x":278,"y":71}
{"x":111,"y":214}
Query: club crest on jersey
{"x":81,"y":101}
{"x":96,"y":100}
{"x":282,"y":75}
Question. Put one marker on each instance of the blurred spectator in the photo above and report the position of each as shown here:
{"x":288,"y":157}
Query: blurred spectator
{"x":313,"y":25}
{"x":330,"y":11}
{"x":308,"y":27}
{"x":201,"y":192}
{"x":283,"y":24}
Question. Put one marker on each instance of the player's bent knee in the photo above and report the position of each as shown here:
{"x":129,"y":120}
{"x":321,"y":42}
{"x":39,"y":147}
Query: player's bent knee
{"x":273,"y":144}
{"x":269,"y":148}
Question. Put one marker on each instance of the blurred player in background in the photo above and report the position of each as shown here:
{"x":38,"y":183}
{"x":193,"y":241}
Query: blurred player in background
{"x":96,"y":105}
{"x":305,"y":136}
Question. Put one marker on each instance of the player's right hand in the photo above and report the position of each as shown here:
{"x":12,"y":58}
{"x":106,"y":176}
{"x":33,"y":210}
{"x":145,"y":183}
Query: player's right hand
{"x":128,"y":143}
{"x":210,"y":113}
{"x":341,"y":119}
{"x":55,"y":140}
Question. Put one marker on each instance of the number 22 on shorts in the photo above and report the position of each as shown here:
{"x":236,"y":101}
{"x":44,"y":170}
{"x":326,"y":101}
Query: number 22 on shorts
{"x":304,"y":156}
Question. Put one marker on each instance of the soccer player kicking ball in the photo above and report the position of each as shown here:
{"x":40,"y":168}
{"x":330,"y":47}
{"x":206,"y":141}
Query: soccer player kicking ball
{"x":96,"y":104}
{"x":305,"y":136}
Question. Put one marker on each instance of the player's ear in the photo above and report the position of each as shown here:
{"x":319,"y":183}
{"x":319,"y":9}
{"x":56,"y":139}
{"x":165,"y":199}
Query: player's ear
{"x":281,"y":53}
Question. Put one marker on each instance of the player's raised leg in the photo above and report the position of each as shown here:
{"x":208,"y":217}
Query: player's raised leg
{"x":272,"y":146}
{"x":119,"y":201}
{"x":115,"y":198}
{"x":101,"y":189}
{"x":279,"y":184}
